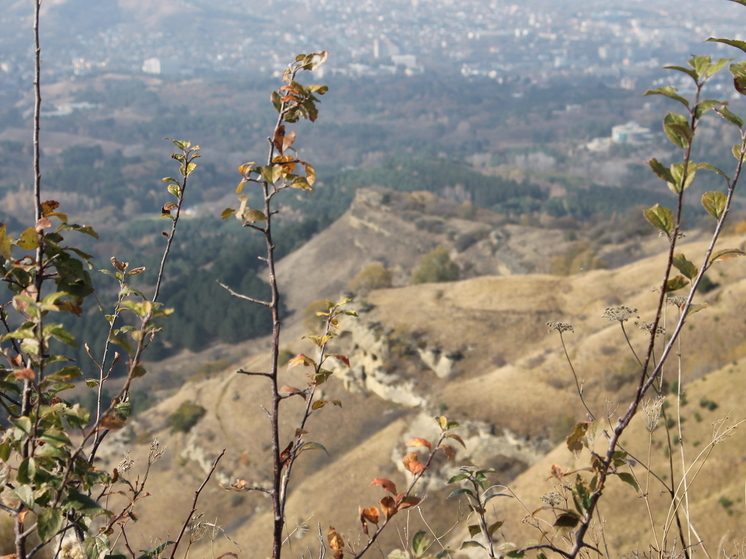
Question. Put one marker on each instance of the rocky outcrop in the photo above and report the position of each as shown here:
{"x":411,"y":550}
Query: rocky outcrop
{"x":378,"y":355}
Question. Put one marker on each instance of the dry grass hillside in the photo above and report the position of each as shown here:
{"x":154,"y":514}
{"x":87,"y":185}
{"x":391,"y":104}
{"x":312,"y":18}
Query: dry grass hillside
{"x":398,"y":228}
{"x":477,"y":350}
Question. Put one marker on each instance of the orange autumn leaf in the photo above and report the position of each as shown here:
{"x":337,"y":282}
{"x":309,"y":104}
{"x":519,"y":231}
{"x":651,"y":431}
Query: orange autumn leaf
{"x":387,"y":484}
{"x":24,"y":374}
{"x":412,"y":463}
{"x":370,"y":514}
{"x":301,"y":359}
{"x":419,"y":441}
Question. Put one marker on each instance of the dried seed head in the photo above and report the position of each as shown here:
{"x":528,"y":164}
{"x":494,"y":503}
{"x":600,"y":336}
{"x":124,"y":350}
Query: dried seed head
{"x":560,"y":326}
{"x":620,"y":313}
{"x":652,"y":410}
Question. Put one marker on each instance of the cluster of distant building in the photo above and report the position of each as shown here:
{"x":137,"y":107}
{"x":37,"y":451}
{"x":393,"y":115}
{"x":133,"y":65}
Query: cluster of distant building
{"x":630,"y":133}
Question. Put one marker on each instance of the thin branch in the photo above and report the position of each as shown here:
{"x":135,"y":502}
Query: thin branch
{"x":197,"y":493}
{"x":244,"y":297}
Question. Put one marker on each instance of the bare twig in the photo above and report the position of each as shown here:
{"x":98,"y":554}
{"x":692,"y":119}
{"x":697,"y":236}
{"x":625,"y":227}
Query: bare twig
{"x":245,"y":297}
{"x":197,"y":493}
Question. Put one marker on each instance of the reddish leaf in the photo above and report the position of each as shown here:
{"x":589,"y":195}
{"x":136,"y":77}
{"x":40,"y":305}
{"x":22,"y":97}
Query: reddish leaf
{"x":290,"y":390}
{"x":419,"y":441}
{"x":407,"y":502}
{"x":343,"y":358}
{"x":387,"y":484}
{"x":449,"y":451}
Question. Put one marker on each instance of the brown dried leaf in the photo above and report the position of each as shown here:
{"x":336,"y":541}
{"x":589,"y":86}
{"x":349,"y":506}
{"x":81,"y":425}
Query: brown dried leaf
{"x":336,"y":543}
{"x":388,"y":506}
{"x":301,"y":359}
{"x":449,"y":451}
{"x":387,"y":484}
{"x":121,"y":266}
{"x":290,"y":390}
{"x":112,"y":421}
{"x":279,"y":137}
{"x":48,"y":206}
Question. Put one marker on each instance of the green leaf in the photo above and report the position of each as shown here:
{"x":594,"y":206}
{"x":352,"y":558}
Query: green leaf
{"x":471,"y":543}
{"x":670,"y":92}
{"x":682,"y":179}
{"x":461,"y":491}
{"x":714,"y":203}
{"x":688,"y":71}
{"x":492,"y":528}
{"x":458,"y":477}
{"x":154,"y":552}
{"x":628,"y":478}
{"x":576,"y":440}
{"x":567,"y":519}
{"x":420,"y":543}
{"x":677,"y":129}
{"x":732,"y":42}
{"x":227,"y":212}
{"x":660,"y":170}
{"x":730,"y":116}
{"x":26,"y":495}
{"x":738,"y":70}
{"x":60,"y":333}
{"x":706,"y":105}
{"x":661,"y":218}
{"x":83,"y":503}
{"x":29,"y":239}
{"x":174,"y":189}
{"x":676,"y":283}
{"x":49,"y":522}
{"x":5,"y":241}
{"x":474,"y":529}
{"x":27,"y":470}
{"x":310,"y":445}
{"x":685,"y":266}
